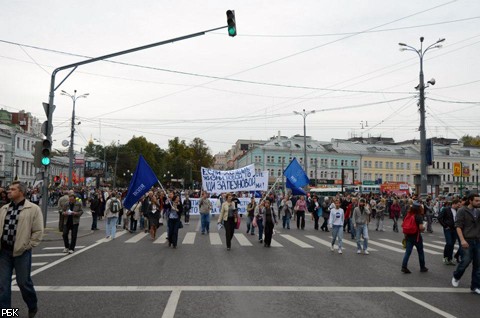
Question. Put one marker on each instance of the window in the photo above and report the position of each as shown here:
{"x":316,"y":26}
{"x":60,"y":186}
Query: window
{"x":408,"y":165}
{"x":279,"y":172}
{"x":311,"y":174}
{"x":417,"y":166}
{"x":258,"y":158}
{"x":443,"y":164}
{"x":397,"y":165}
{"x":448,"y":167}
{"x":18,"y":142}
{"x":376,"y":164}
{"x":369,"y":163}
{"x":380,"y":164}
{"x":365,"y":164}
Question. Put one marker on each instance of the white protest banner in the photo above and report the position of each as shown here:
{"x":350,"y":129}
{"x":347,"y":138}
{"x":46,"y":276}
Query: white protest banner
{"x":242,"y":206}
{"x":218,"y":181}
{"x":261,"y":181}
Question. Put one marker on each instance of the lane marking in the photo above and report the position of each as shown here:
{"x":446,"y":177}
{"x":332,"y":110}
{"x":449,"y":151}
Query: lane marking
{"x":355,"y":245}
{"x":424,"y":304}
{"x":319,"y":240}
{"x":136,"y":238}
{"x":388,"y":247}
{"x":39,"y":264}
{"x":321,"y":289}
{"x":424,"y":249}
{"x":61,"y":247}
{"x":47,"y":255}
{"x":215,"y":239}
{"x":275,"y":244}
{"x":296,"y":241}
{"x":242,"y":240}
{"x":162,"y":239}
{"x":172,"y":303}
{"x":434,"y":246}
{"x":189,"y":238}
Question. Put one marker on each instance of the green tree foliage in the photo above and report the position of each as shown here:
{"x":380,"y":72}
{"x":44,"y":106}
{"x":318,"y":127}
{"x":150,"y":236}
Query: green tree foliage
{"x":470,"y":141}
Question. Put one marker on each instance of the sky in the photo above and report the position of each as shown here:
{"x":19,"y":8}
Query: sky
{"x":340,"y":58}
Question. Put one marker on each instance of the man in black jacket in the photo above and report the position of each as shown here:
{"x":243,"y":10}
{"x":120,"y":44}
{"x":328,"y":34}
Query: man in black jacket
{"x":467,"y":223}
{"x":446,"y":217}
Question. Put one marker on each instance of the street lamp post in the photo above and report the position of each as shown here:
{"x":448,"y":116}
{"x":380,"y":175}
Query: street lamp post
{"x":104,"y":157}
{"x":421,"y":87}
{"x":304,"y":115}
{"x":74,"y":98}
{"x":115,"y":167}
{"x":476,"y":172}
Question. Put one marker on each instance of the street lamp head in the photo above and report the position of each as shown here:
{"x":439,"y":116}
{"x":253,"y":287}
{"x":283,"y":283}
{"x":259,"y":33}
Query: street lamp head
{"x":432,"y":82}
{"x":402,"y":44}
{"x":441,"y":40}
{"x":402,"y":49}
{"x":422,"y":38}
{"x":296,"y":113}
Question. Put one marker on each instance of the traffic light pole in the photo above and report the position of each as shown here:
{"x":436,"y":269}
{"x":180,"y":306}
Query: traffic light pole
{"x":74,"y":66}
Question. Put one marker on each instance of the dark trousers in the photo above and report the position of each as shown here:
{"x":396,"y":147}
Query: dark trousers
{"x":413,"y":240}
{"x":60,"y":222}
{"x":94,"y":220}
{"x":133,"y":225}
{"x":324,"y":225}
{"x":315,"y":219}
{"x":301,"y":215}
{"x":268,"y":233}
{"x":67,"y":228}
{"x":187,"y":216}
{"x":173,"y":231}
{"x":450,"y":239}
{"x":229,"y":230}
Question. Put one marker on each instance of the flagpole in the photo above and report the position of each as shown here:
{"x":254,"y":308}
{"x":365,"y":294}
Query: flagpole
{"x":268,"y":193}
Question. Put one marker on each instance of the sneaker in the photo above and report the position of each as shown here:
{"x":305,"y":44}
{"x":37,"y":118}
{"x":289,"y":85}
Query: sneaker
{"x":423,"y":270}
{"x":108,"y":236}
{"x":65,"y":250}
{"x":366,"y":252}
{"x":32,"y":312}
{"x":359,"y":251}
{"x":340,"y":251}
{"x":70,"y":252}
{"x":476,"y":291}
{"x":452,"y":262}
{"x":455,"y":282}
{"x":203,"y":233}
{"x":332,"y":248}
{"x":445,"y":261}
{"x":406,"y":270}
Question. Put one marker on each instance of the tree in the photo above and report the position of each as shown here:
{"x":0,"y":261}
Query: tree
{"x":201,"y":157}
{"x":469,"y":141}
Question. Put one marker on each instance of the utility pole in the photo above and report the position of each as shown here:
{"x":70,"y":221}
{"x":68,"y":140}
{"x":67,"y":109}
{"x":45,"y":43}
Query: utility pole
{"x":304,"y":115}
{"x":115,"y":167}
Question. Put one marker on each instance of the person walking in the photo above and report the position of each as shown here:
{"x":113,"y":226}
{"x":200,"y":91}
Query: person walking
{"x":412,"y":228}
{"x":468,"y":230}
{"x":270,"y":220}
{"x":300,"y":208}
{"x":61,"y":203}
{"x":380,"y":215}
{"x":21,"y":223}
{"x":360,"y":218}
{"x":428,"y":206}
{"x":174,"y":218}
{"x":205,"y":206}
{"x":153,"y":211}
{"x":112,"y":210}
{"x":258,"y":220}
{"x":250,"y":215}
{"x":72,"y":211}
{"x":446,"y":218}
{"x":326,"y":214}
{"x":95,"y":209}
{"x":335,"y":222}
{"x":286,"y":210}
{"x":395,"y":214}
{"x":228,"y":216}
{"x":187,"y":205}
{"x":313,"y":209}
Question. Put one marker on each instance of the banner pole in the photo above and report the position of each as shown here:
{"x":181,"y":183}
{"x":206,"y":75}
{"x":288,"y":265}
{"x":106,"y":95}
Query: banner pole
{"x":268,"y":193}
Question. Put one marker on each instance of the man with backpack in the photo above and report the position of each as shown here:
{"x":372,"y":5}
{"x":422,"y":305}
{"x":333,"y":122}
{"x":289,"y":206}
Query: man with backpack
{"x":412,"y":227}
{"x":467,"y":223}
{"x":112,"y":211}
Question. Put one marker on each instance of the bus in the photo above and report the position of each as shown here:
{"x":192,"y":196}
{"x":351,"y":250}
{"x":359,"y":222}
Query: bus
{"x":326,"y":191}
{"x":374,"y":188}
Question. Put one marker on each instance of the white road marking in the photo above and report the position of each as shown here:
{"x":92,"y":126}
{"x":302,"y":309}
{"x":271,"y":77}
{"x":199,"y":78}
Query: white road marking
{"x":355,"y":245}
{"x":39,"y":264}
{"x":61,"y":247}
{"x":388,"y":247}
{"x":321,"y":241}
{"x":136,"y":238}
{"x":296,"y":241}
{"x":424,"y":249}
{"x":275,"y":244}
{"x":242,"y":240}
{"x":215,"y":239}
{"x":162,"y":239}
{"x":189,"y":238}
{"x":434,"y":246}
{"x":50,"y":254}
{"x":424,"y":304}
{"x":172,"y":303}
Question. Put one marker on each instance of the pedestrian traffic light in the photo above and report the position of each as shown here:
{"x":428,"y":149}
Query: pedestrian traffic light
{"x":232,"y":26}
{"x":46,"y":151}
{"x":37,"y":158}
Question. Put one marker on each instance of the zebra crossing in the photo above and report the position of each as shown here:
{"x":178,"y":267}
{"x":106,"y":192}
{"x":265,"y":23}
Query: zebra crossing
{"x":283,"y":240}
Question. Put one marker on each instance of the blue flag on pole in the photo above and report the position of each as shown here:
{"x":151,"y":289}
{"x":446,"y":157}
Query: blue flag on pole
{"x":143,"y":179}
{"x":296,"y":177}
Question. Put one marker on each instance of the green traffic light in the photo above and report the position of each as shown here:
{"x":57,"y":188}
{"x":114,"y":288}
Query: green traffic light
{"x":45,"y":161}
{"x":232,"y":31}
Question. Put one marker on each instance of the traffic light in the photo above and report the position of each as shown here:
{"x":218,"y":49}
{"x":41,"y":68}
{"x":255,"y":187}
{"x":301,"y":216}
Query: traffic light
{"x":56,"y":179}
{"x":37,"y":158}
{"x":46,"y":151}
{"x":232,"y":26}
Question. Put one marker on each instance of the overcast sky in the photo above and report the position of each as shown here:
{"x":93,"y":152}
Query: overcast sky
{"x":340,"y":58}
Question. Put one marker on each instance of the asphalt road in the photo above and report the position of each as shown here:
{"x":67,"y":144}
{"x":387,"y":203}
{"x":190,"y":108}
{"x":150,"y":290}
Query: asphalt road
{"x":133,"y":276}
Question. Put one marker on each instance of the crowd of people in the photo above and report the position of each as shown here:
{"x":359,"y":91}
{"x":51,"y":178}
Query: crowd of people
{"x":21,"y":222}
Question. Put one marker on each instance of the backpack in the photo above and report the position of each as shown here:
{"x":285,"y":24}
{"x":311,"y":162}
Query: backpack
{"x":409,"y":224}
{"x":114,"y":206}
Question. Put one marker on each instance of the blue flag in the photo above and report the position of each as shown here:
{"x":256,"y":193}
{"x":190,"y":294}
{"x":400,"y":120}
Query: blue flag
{"x":143,"y":179}
{"x":296,"y":177}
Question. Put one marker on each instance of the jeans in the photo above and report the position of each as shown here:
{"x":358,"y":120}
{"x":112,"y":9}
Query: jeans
{"x":205,"y":220}
{"x":362,"y":229}
{"x":142,"y":222}
{"x":111,"y":226}
{"x":250,"y":225}
{"x":94,"y":220}
{"x":429,"y":222}
{"x":470,"y":254}
{"x":300,"y":219}
{"x":173,"y":231}
{"x":325,"y":222}
{"x":418,"y":243}
{"x":337,"y":231}
{"x":286,"y":221}
{"x":352,"y":228}
{"x":450,"y":238}
{"x":395,"y":224}
{"x":66,"y":228}
{"x":380,"y":225}
{"x":23,"y":267}
{"x":260,"y":229}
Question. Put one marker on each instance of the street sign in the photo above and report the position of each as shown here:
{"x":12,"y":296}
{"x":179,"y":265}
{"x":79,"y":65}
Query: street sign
{"x":47,"y":110}
{"x":44,"y":128}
